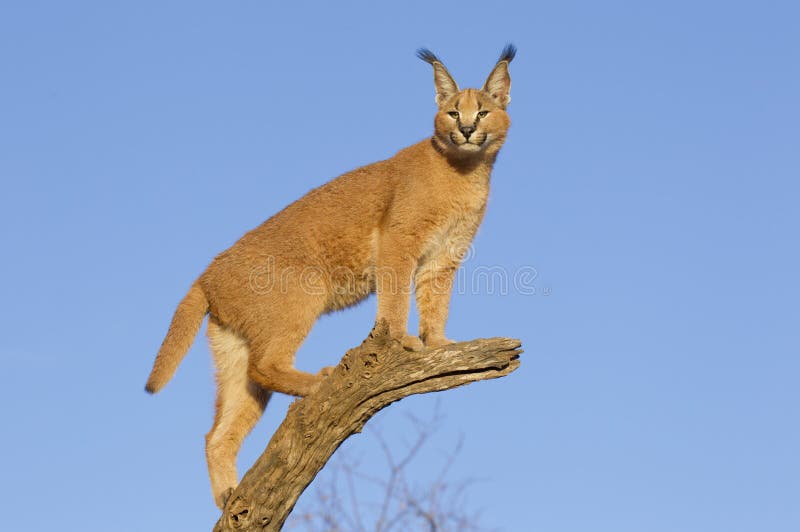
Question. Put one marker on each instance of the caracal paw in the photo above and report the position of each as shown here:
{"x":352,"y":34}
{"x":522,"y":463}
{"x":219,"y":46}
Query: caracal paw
{"x":327,"y":371}
{"x":412,"y":343}
{"x":431,"y":343}
{"x":222,"y":498}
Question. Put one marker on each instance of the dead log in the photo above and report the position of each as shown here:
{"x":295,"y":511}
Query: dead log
{"x":368,"y":378}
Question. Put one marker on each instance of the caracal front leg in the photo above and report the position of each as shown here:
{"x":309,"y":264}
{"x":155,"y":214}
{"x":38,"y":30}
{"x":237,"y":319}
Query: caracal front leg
{"x":434,"y":284}
{"x":393,"y":277}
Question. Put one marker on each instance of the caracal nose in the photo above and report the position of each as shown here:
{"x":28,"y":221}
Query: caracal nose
{"x":467,"y":131}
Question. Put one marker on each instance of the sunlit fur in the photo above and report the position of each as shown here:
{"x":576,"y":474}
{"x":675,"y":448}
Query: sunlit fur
{"x":383,"y":228}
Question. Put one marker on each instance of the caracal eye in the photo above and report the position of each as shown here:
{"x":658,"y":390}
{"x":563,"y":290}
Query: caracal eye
{"x":453,"y":114}
{"x":482,"y":114}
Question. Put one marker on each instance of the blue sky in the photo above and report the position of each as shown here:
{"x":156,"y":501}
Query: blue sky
{"x":650,"y":178}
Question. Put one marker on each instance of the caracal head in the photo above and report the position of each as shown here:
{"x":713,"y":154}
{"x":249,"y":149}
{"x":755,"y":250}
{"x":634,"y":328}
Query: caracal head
{"x":471,"y":122}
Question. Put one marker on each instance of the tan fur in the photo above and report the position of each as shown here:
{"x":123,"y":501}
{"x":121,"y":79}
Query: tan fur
{"x":383,"y":228}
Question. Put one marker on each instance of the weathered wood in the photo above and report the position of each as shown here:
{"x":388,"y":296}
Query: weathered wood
{"x":368,"y":378}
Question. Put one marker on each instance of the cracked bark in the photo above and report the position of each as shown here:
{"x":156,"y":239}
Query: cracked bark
{"x":368,"y":378}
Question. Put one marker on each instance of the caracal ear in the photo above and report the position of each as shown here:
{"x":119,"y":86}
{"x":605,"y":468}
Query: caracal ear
{"x":446,"y":86}
{"x":498,"y":84}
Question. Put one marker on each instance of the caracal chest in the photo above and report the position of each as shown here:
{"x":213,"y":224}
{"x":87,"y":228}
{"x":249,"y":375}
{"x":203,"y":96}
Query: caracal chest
{"x":458,"y":220}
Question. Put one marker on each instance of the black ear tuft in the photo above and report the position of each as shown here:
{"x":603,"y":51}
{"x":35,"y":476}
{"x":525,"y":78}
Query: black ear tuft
{"x":427,"y":56}
{"x":508,"y":53}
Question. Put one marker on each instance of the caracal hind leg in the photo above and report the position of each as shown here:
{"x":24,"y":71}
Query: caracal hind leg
{"x":276,"y":340}
{"x":240,"y":403}
{"x":272,"y":365}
